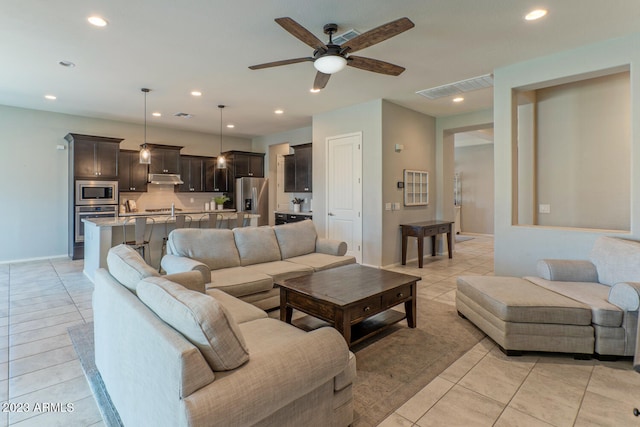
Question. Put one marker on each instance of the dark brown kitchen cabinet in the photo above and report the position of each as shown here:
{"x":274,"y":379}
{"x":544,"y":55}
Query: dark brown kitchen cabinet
{"x":164,"y":158}
{"x":298,"y":170}
{"x":244,"y":163}
{"x":94,"y":157}
{"x":192,"y":174}
{"x":215,"y":180}
{"x":132,"y":176}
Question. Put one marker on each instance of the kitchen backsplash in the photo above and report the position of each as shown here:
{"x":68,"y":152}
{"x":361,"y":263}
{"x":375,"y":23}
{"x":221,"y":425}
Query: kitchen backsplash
{"x":161,"y":196}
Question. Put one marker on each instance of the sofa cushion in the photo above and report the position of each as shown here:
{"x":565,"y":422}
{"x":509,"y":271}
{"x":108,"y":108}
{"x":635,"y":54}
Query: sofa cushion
{"x":594,"y":295}
{"x":200,"y":318}
{"x":617,"y":260}
{"x":296,"y":238}
{"x":128,"y":267}
{"x":214,"y":247}
{"x":240,"y":310}
{"x":512,"y":299}
{"x":281,"y":270}
{"x":240,"y":281}
{"x":256,"y":245}
{"x":319,"y":261}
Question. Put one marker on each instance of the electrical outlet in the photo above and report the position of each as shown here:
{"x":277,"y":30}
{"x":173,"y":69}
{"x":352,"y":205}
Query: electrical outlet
{"x":387,"y":206}
{"x":544,"y":209}
{"x":191,"y":200}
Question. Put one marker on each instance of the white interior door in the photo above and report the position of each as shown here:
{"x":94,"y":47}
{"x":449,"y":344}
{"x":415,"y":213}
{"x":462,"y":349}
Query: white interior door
{"x":282,"y":198}
{"x":344,"y":188}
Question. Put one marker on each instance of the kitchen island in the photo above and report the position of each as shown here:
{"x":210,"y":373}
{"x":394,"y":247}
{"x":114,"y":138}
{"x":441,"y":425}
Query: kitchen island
{"x":101,"y":234}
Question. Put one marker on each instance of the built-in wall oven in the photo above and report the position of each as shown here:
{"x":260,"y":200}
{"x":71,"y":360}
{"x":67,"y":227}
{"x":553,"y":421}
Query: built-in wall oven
{"x":92,"y":212}
{"x":96,"y":192}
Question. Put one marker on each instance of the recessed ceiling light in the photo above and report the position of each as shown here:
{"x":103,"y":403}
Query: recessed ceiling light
{"x":67,"y":64}
{"x":313,"y":90}
{"x":535,"y":14}
{"x":196,"y":93}
{"x":279,"y":112}
{"x":458,"y":99}
{"x":97,"y":21}
{"x":156,"y":114}
{"x":231,"y":125}
{"x":51,"y":97}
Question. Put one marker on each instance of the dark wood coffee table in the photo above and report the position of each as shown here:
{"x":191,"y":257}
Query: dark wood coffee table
{"x":354,"y":299}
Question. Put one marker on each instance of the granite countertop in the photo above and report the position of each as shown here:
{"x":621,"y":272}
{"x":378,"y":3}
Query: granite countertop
{"x":178,"y":212}
{"x":287,"y":212}
{"x":159,"y":219}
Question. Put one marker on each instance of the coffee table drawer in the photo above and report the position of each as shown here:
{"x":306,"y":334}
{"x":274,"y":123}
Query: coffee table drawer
{"x":364,"y":309}
{"x":444,"y":229}
{"x":397,"y":296}
{"x":314,"y":307}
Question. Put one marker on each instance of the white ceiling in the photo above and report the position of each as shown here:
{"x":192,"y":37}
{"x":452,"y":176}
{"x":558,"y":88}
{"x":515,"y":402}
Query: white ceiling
{"x":174,"y":47}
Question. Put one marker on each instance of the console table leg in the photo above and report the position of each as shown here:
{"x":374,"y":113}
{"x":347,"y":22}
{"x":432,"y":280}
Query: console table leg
{"x":450,"y":243}
{"x":420,"y":250}
{"x":404,"y":247}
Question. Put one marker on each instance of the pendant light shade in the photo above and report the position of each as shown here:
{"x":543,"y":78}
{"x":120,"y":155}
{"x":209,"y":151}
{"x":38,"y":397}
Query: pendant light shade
{"x":145,"y":154}
{"x":221,"y":161}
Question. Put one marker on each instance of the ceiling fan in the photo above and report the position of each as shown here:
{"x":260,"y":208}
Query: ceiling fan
{"x":330,"y":58}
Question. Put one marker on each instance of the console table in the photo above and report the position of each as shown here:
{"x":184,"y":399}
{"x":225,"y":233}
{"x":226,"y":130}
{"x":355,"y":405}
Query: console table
{"x":424,"y":229}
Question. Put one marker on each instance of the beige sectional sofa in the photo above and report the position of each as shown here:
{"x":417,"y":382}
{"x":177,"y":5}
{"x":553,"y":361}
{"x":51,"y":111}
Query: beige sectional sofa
{"x":173,"y":356}
{"x":572,"y":306}
{"x":246,"y":262}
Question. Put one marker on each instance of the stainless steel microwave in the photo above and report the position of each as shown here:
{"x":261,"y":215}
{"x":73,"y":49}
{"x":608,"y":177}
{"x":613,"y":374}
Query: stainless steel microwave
{"x":96,"y":192}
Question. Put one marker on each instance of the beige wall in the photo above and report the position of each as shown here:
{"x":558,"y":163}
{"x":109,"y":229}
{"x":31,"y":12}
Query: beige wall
{"x":416,"y":131}
{"x":583,"y":148}
{"x":34,"y":174}
{"x":475,"y":165}
{"x":517,"y":247}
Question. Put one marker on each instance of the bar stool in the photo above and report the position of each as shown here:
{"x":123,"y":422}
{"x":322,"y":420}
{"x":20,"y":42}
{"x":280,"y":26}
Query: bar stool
{"x":211,"y":220}
{"x":181,"y":221}
{"x":142,"y":230}
{"x":242,"y":219}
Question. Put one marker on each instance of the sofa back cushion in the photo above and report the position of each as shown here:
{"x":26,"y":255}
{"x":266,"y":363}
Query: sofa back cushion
{"x":296,"y":238}
{"x":617,"y":260}
{"x":128,"y":267}
{"x":200,"y":318}
{"x":214,"y":247}
{"x":256,"y":245}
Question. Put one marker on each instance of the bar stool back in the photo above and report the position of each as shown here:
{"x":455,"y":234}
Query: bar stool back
{"x":142,"y":232}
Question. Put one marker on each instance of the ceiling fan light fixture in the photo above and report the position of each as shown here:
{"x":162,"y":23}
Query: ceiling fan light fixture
{"x":330,"y":64}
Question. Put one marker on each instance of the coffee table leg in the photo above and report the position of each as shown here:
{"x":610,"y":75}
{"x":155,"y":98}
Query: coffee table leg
{"x":286,"y":312}
{"x":343,"y":324}
{"x":410,"y":308}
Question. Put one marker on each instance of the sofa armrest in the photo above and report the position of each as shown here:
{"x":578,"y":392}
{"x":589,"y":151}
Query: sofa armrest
{"x":331,"y":247}
{"x":178,"y":264}
{"x":273,"y":378}
{"x":625,"y":295}
{"x":567,"y":270}
{"x":191,"y":280}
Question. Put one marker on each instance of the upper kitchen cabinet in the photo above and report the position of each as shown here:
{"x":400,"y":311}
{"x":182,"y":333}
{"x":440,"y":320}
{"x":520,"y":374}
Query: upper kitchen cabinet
{"x":244,"y":163}
{"x":94,"y":157}
{"x":191,"y":173}
{"x":132,"y":176}
{"x":164,"y":158}
{"x":298,"y":169}
{"x":215,"y":180}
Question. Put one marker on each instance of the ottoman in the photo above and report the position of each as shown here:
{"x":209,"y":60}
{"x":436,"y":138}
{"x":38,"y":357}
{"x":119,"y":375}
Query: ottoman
{"x":521,"y":316}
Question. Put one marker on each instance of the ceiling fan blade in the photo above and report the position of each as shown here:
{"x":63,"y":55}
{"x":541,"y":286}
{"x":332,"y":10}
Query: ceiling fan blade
{"x":321,"y":80}
{"x":299,"y":32}
{"x":377,"y":35}
{"x":278,"y":63}
{"x":375,"y":65}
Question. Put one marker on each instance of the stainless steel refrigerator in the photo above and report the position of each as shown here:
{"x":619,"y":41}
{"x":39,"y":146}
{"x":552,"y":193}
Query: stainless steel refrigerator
{"x":252,"y":196}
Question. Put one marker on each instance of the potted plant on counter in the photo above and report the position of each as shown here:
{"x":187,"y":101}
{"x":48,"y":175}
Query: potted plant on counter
{"x":220,"y":200}
{"x":296,"y":203}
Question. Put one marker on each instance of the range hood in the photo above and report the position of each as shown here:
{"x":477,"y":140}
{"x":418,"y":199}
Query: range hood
{"x":165,"y":178}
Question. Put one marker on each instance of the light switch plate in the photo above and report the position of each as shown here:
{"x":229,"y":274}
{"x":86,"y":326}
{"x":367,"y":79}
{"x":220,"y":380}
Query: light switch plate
{"x":396,"y":206}
{"x":387,"y":206}
{"x":544,"y":209}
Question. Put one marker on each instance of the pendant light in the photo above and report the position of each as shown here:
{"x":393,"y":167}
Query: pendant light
{"x":145,"y":154}
{"x":222,"y":162}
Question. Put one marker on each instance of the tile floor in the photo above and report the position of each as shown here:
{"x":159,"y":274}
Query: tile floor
{"x":39,"y":300}
{"x":486,"y":388}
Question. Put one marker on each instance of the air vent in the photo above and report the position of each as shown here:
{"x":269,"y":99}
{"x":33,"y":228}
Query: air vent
{"x":462,"y":86}
{"x":346,"y":36}
{"x":183,"y":115}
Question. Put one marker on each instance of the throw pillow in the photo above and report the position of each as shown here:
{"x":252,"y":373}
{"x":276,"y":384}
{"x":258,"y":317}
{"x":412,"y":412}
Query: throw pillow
{"x":128,"y":267}
{"x":200,"y":318}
